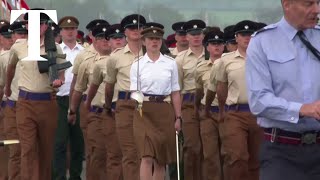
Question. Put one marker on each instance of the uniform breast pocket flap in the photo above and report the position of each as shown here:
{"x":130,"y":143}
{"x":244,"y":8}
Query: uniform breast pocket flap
{"x":280,"y":57}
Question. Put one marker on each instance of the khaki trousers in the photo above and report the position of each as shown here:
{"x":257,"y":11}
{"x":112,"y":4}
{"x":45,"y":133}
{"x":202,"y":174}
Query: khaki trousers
{"x":4,"y":151}
{"x":97,"y":150}
{"x":10,"y":126}
{"x":113,"y":151}
{"x":192,"y":143}
{"x":241,"y":138}
{"x":211,"y":146}
{"x":36,"y":123}
{"x":124,"y":128}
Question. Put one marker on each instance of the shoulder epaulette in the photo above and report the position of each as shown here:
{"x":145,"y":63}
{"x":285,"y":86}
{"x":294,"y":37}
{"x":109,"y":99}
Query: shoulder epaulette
{"x":269,"y":27}
{"x":4,"y":52}
{"x":169,"y":57}
{"x":20,"y":40}
{"x":182,"y":53}
{"x":137,"y":59}
{"x":225,"y":54}
{"x":116,"y":50}
{"x":200,"y":63}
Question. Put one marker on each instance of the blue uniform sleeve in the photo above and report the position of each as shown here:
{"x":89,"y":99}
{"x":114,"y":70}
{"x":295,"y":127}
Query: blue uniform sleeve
{"x":262,"y":99}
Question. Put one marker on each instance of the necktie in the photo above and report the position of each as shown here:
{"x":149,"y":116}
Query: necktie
{"x":307,"y":43}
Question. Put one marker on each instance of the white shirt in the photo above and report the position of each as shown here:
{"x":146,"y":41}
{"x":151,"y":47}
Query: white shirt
{"x":158,"y":77}
{"x":71,"y":55}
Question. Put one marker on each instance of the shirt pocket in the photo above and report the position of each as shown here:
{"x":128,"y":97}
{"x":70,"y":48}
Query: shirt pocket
{"x":282,"y":62}
{"x":283,"y":67}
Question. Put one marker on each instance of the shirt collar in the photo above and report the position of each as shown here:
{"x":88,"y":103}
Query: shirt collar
{"x":189,"y":52}
{"x":77,"y":47}
{"x":289,"y":30}
{"x":237,"y":54}
{"x":161,"y":58}
{"x":126,"y":49}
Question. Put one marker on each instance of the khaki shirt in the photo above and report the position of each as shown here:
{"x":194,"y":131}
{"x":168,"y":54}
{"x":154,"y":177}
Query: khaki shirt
{"x":174,"y":51}
{"x":232,"y":70}
{"x":85,"y":54}
{"x":119,"y":66}
{"x":203,"y":73}
{"x":187,"y":63}
{"x":4,"y":59}
{"x":85,"y":76}
{"x":99,"y":73}
{"x":30,"y":79}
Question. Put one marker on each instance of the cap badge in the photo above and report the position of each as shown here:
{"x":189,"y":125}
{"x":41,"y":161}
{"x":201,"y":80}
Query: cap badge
{"x":151,"y":26}
{"x":195,"y":26}
{"x":23,"y":26}
{"x":52,"y":28}
{"x":246,"y":27}
{"x":9,"y":30}
{"x":216,"y":37}
{"x":154,"y":31}
{"x":181,"y":27}
{"x":117,"y":30}
{"x":134,"y":21}
{"x":104,"y":29}
{"x":69,"y":21}
{"x":97,"y":24}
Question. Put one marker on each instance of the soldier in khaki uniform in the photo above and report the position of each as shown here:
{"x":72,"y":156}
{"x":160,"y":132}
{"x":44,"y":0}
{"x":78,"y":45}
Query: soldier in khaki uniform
{"x":229,"y":37}
{"x":19,"y":31}
{"x":97,"y":88}
{"x":86,"y":54}
{"x":180,"y":36}
{"x":95,"y":134}
{"x":116,"y":37}
{"x":5,"y":36}
{"x":187,"y":62}
{"x":118,"y":82}
{"x":36,"y":108}
{"x":240,"y":133}
{"x":209,"y":125}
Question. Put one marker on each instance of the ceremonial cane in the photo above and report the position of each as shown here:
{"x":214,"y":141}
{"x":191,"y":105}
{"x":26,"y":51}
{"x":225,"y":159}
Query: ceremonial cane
{"x":178,"y":157}
{"x":8,"y":142}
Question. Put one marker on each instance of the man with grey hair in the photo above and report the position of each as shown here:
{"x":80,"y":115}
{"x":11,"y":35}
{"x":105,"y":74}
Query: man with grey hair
{"x":282,"y":71}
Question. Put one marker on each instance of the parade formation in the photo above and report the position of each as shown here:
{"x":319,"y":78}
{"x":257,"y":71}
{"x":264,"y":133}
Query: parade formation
{"x":126,"y":103}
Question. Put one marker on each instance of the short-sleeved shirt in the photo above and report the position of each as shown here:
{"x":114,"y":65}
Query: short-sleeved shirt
{"x":4,"y":60}
{"x":85,"y":75}
{"x":187,"y":64}
{"x":30,"y":79}
{"x":82,"y":56}
{"x":232,"y":70}
{"x":119,"y":66}
{"x":158,"y":77}
{"x":203,"y":73}
{"x":99,"y":73}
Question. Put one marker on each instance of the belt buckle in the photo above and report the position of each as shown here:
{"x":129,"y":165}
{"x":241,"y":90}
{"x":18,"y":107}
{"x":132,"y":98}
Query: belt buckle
{"x":309,"y":138}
